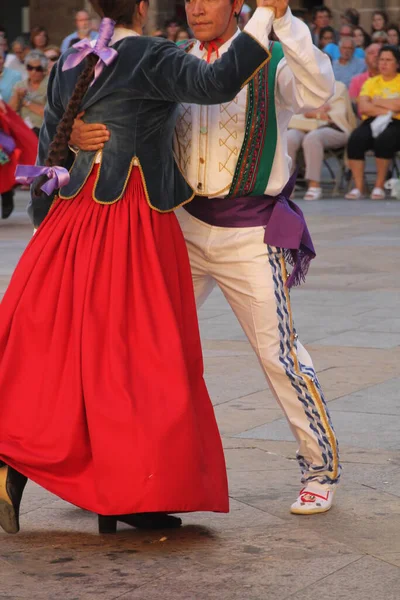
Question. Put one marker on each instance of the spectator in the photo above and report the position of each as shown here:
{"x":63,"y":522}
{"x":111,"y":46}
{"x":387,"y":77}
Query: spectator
{"x":52,"y":53}
{"x":393,"y":34}
{"x":39,"y":38}
{"x":380,"y":21}
{"x":321,"y":18}
{"x":8,"y":79}
{"x":347,"y":66}
{"x":3,"y":41}
{"x":172,"y":27}
{"x":29,"y":97}
{"x":380,"y":95}
{"x":361,"y":38}
{"x":346,"y":31}
{"x":83,"y":31}
{"x":351,"y":17}
{"x":320,"y":130}
{"x":380,"y":37}
{"x":16,"y":60}
{"x":326,"y":36}
{"x":371,"y":60}
{"x":183,"y":34}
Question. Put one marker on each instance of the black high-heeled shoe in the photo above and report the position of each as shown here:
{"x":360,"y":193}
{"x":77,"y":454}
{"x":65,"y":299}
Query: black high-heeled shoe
{"x":140,"y":521}
{"x":12,"y":485}
{"x":7,"y":204}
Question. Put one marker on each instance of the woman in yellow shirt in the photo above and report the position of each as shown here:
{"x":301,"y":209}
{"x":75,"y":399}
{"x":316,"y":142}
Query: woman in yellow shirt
{"x":380,"y":95}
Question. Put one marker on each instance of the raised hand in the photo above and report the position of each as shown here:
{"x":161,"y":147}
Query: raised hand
{"x":278,"y":6}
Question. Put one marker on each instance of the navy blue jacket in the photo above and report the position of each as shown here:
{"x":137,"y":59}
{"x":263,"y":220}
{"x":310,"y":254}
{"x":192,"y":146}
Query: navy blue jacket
{"x":136,"y":98}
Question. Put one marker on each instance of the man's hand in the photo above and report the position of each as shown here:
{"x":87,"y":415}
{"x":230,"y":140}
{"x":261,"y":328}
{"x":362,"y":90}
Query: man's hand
{"x":88,"y":137}
{"x":3,"y":108}
{"x":278,"y":6}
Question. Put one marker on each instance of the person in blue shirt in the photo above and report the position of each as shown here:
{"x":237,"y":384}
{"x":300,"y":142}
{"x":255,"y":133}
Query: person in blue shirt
{"x":8,"y":78}
{"x":83,"y":31}
{"x":333,"y":49}
{"x":347,"y":65}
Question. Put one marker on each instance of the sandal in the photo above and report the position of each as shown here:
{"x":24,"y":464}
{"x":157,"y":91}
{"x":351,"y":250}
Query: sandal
{"x":313,"y":193}
{"x":310,"y":502}
{"x":378,"y":194}
{"x":355,"y":194}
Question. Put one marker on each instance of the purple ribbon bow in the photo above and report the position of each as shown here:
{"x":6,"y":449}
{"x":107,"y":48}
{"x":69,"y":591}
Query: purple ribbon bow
{"x":58,"y":176}
{"x":7,"y":143}
{"x":106,"y":55}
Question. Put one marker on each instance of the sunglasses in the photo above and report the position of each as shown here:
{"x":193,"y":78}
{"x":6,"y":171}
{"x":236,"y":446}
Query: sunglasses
{"x":37,"y":69}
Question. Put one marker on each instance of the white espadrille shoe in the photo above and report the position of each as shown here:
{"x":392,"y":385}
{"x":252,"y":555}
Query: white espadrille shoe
{"x":312,"y":501}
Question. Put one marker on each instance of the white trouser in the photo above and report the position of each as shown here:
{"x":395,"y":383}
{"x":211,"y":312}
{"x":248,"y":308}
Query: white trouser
{"x":252,"y":275}
{"x":314,"y":144}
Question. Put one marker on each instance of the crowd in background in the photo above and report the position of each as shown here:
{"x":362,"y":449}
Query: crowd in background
{"x":363,"y":115}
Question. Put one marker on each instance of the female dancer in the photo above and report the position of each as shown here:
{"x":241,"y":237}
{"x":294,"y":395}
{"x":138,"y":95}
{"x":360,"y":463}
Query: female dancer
{"x":103,"y":400}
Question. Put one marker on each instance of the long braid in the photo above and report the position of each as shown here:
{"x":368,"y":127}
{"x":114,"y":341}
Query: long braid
{"x":58,"y":149}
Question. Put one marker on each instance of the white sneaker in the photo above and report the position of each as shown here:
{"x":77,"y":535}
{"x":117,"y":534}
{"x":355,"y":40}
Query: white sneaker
{"x":312,"y":502}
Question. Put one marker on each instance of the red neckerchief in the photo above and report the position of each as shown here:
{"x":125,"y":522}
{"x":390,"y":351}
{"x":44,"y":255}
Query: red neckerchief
{"x":213,"y":45}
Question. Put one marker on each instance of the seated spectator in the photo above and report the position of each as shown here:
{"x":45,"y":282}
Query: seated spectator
{"x":380,"y":95}
{"x":183,"y":34}
{"x":333,"y":49}
{"x":320,"y":130}
{"x":371,"y":60}
{"x":321,"y":17}
{"x":83,"y":31}
{"x":16,"y":59}
{"x":52,"y":53}
{"x":393,"y":34}
{"x":347,"y":66}
{"x":29,"y":97}
{"x":327,"y":36}
{"x":380,"y":21}
{"x":8,"y":79}
{"x":39,"y":38}
{"x":361,"y":38}
{"x":380,"y":37}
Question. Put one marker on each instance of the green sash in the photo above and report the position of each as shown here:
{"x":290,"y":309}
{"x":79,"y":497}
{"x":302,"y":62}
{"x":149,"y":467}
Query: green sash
{"x":257,"y":155}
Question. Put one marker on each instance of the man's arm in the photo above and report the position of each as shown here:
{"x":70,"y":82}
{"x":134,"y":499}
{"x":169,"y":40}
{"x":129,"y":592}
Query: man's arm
{"x":305,"y":79}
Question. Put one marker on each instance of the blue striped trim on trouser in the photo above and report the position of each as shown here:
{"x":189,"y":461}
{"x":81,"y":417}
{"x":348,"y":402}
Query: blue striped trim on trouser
{"x":305,"y":383}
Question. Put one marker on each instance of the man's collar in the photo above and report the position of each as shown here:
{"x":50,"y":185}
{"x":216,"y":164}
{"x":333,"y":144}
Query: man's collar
{"x":224,"y":46}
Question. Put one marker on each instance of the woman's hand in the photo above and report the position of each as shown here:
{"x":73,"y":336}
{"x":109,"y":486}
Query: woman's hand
{"x":278,"y":6}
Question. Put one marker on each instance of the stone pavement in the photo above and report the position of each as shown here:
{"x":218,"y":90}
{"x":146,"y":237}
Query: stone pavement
{"x":348,"y":316}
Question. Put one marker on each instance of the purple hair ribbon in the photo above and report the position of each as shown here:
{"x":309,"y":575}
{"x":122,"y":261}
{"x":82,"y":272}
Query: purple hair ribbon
{"x":58,"y":176}
{"x":101,"y":49}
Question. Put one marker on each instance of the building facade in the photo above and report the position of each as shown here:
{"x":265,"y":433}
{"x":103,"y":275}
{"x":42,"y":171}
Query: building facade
{"x":18,"y":15}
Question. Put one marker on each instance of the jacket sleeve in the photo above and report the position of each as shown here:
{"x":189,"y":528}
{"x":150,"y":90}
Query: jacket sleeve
{"x":305,"y":77}
{"x":176,"y":76}
{"x":39,"y":205}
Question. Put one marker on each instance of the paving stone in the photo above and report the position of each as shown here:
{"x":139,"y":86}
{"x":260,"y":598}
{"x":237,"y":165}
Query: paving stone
{"x":364,"y":578}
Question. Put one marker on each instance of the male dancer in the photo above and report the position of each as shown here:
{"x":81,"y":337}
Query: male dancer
{"x":241,"y":227}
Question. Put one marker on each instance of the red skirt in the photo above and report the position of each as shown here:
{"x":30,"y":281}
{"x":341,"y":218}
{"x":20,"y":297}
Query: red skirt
{"x":102,"y":399}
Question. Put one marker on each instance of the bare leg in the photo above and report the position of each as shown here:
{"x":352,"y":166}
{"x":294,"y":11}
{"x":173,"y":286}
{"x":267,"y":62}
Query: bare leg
{"x":357,"y":169}
{"x":382,"y":166}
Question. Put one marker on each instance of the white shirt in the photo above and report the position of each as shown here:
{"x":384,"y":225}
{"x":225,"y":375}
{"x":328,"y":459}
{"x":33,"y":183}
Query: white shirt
{"x":208,"y":139}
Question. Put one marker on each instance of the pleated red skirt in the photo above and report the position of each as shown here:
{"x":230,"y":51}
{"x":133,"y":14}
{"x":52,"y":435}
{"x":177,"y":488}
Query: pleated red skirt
{"x":102,"y":397}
